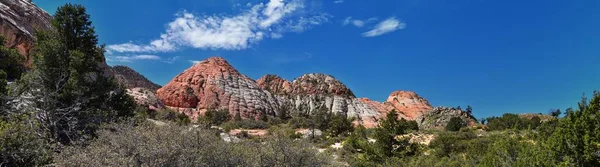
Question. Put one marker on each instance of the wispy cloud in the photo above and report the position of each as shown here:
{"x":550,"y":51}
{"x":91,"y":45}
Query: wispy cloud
{"x":131,"y":58}
{"x":387,"y":26}
{"x":194,"y":61}
{"x":357,"y":22}
{"x":338,"y":1}
{"x":235,"y":32}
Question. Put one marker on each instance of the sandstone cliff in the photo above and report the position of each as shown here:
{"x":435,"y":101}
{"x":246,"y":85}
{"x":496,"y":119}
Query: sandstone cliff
{"x":19,"y":20}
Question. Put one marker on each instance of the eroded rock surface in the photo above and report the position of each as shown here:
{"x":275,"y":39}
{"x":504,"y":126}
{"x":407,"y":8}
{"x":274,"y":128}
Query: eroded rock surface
{"x":215,"y":84}
{"x":19,"y":20}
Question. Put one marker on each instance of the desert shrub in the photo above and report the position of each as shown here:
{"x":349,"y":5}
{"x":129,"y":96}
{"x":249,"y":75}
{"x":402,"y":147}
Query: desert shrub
{"x":512,"y":121}
{"x":455,"y":124}
{"x":172,"y":145}
{"x":299,"y":122}
{"x":245,"y":124}
{"x":284,"y":131}
{"x":170,"y":115}
{"x":20,"y":145}
{"x":216,"y":117}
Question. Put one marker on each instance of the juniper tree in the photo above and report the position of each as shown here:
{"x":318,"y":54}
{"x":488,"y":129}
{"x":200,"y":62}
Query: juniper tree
{"x":72,"y":95}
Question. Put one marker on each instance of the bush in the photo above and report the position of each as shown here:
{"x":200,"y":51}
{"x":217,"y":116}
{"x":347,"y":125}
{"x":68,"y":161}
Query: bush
{"x":455,"y":124}
{"x":245,"y":124}
{"x":512,"y":121}
{"x":172,"y":145}
{"x":216,"y":117}
{"x":20,"y":145}
{"x":299,"y":122}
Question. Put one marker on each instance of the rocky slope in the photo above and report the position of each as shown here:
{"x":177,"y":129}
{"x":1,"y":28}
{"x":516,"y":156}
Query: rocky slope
{"x":311,"y":92}
{"x":409,"y":104}
{"x":439,"y":117}
{"x":132,"y":79}
{"x":19,"y":19}
{"x":215,"y":84}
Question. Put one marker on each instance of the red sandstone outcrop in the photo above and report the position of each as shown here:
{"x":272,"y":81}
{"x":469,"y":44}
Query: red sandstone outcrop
{"x":275,"y":84}
{"x":19,"y":20}
{"x":408,"y":103}
{"x":215,"y":84}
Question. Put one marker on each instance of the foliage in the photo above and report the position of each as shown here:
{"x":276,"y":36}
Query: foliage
{"x":555,"y":112}
{"x":216,"y":117}
{"x":171,"y":145}
{"x":11,"y":62}
{"x":3,"y":83}
{"x":20,"y":145}
{"x":577,"y":137}
{"x":455,"y":124}
{"x":73,"y":97}
{"x":511,"y":121}
{"x":246,"y":124}
{"x":387,"y":144}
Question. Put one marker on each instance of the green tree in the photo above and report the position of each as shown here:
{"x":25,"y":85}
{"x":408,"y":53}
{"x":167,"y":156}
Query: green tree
{"x":469,"y":109}
{"x":577,"y":137}
{"x":455,"y":124}
{"x":555,"y":112}
{"x":238,"y":117}
{"x":388,"y":145}
{"x":339,"y":125}
{"x":216,"y":117}
{"x":11,"y":61}
{"x":75,"y":96}
{"x":3,"y":83}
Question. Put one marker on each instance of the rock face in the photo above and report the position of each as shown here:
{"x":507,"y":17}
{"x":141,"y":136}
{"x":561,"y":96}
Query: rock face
{"x":275,"y":84}
{"x":146,"y":97}
{"x":19,"y":19}
{"x":408,"y":104}
{"x":132,"y":79}
{"x":215,"y":84}
{"x":439,"y":117}
{"x":312,"y":92}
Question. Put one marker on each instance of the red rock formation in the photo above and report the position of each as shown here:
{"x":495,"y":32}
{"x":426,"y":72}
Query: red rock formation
{"x":320,"y":84}
{"x":275,"y":84}
{"x":215,"y":84}
{"x":408,"y":103}
{"x":19,"y":19}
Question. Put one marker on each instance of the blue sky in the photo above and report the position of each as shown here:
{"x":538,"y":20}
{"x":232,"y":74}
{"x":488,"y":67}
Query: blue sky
{"x":497,"y":56}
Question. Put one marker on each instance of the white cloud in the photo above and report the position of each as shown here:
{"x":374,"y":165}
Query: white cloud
{"x":358,"y":23}
{"x":194,"y":61}
{"x":338,"y":1}
{"x":389,"y":25}
{"x":131,"y":58}
{"x":234,"y":32}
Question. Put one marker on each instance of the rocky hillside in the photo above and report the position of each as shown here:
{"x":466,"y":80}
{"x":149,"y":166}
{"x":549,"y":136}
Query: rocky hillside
{"x":215,"y":84}
{"x":132,"y":79}
{"x":310,"y":92}
{"x":19,"y":19}
{"x":439,"y":117}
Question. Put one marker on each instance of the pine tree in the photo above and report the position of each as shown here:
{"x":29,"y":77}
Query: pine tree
{"x":469,"y":109}
{"x":75,"y":97}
